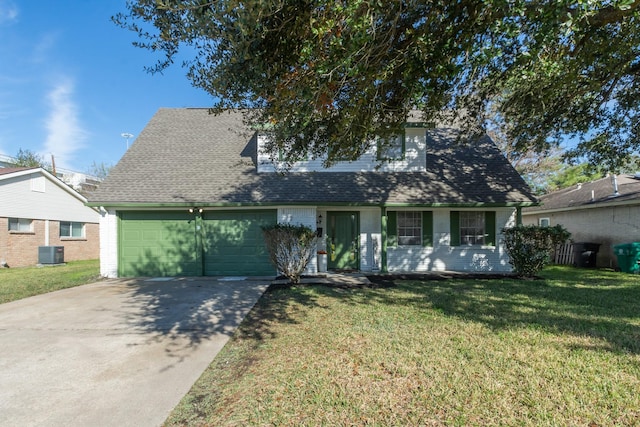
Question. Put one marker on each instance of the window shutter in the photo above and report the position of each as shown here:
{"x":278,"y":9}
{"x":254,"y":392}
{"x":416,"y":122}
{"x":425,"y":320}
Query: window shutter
{"x":490,"y":228}
{"x":427,"y":228}
{"x":454,"y":224}
{"x":392,"y":229}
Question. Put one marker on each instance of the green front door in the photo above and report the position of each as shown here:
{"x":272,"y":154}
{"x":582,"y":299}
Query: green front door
{"x":343,"y":230}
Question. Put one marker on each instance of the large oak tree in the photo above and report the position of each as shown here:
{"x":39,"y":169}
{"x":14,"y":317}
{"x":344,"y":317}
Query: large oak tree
{"x":326,"y":76}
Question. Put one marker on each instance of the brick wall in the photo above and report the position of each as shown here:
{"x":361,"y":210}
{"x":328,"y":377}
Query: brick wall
{"x":21,"y":249}
{"x":77,"y":249}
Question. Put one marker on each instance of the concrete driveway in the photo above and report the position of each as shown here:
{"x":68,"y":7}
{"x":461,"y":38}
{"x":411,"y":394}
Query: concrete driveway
{"x":114,"y":353}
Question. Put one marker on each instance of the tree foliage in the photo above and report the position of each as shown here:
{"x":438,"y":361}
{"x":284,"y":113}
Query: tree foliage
{"x":99,"y":170}
{"x":29,"y":159}
{"x":290,"y":248}
{"x":328,"y":76}
{"x":530,"y":246}
{"x":573,"y":175}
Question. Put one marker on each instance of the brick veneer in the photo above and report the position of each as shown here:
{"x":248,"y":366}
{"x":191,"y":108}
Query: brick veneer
{"x":21,"y":249}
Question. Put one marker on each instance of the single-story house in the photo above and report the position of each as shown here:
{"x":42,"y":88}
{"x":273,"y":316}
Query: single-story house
{"x":38,"y":209}
{"x":191,"y":194}
{"x":605,"y":211}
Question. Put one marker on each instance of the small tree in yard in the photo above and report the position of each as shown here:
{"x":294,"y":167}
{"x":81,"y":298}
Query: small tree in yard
{"x":529,"y":246}
{"x":290,"y":248}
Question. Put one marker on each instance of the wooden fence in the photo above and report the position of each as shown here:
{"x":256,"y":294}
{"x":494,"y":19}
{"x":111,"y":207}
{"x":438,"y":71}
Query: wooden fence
{"x":564,"y":255}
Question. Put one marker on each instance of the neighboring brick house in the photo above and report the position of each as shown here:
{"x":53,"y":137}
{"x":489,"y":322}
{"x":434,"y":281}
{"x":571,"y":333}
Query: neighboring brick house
{"x":204,"y":186}
{"x":37,"y":209}
{"x":605,"y":211}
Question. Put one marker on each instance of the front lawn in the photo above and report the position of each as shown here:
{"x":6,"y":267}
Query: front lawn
{"x":562,"y":351}
{"x":18,"y":283}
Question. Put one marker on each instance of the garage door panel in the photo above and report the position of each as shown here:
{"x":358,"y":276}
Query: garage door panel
{"x":234,"y":243}
{"x":157,"y":244}
{"x":171,"y":244}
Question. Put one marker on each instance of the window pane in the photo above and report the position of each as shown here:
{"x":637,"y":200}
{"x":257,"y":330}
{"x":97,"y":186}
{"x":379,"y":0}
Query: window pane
{"x":20,"y":224}
{"x":65,"y":229}
{"x":472,"y":230}
{"x":409,"y":228}
{"x":77,"y":229}
{"x":392,"y":148}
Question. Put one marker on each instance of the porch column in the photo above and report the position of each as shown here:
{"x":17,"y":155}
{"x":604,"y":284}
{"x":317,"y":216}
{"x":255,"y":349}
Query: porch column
{"x":518,"y":215}
{"x":383,"y":236}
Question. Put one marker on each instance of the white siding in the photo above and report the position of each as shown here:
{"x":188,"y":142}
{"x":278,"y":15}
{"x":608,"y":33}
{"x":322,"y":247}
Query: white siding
{"x":109,"y":244}
{"x":441,"y":257}
{"x":414,"y":160}
{"x":34,"y":196}
{"x":300,"y":216}
{"x":444,"y":257}
{"x":370,"y":240}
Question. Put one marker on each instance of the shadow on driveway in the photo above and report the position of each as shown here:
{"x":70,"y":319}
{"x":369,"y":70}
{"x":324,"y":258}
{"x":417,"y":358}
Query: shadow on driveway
{"x":114,"y":353}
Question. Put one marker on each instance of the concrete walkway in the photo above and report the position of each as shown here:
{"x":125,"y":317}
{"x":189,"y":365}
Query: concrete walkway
{"x":114,"y":353}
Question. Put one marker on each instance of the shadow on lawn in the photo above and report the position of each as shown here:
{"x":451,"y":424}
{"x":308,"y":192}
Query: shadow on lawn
{"x":577,"y":302}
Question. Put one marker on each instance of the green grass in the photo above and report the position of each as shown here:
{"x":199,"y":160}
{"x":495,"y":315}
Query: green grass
{"x":562,"y":351}
{"x":18,"y":283}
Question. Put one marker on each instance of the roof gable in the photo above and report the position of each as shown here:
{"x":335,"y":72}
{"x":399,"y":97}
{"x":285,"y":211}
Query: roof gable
{"x":187,"y":157}
{"x":6,"y":174}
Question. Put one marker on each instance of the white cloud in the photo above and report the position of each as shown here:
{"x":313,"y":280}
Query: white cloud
{"x":65,"y":135}
{"x":8,"y":11}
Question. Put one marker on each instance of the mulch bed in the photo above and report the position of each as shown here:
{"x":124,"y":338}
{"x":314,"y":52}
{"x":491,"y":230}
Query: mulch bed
{"x":388,"y":280}
{"x":385,"y":280}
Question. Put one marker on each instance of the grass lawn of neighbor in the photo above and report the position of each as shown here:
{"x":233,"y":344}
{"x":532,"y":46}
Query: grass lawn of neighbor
{"x":18,"y":283}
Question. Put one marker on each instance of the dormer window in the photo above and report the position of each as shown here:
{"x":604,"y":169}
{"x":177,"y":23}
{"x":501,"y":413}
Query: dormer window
{"x":391,"y":148}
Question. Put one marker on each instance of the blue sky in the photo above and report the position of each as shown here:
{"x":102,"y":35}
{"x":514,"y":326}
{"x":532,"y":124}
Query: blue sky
{"x":71,"y":82}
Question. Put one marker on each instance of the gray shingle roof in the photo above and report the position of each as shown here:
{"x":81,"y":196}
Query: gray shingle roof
{"x":187,"y":156}
{"x":596,"y":193}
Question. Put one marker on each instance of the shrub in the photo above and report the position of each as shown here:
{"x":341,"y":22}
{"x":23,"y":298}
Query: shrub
{"x":290,"y":248}
{"x":530,"y":246}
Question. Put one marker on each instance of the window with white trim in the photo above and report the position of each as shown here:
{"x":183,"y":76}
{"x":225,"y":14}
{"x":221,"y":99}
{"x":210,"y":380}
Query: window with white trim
{"x":391,"y":148}
{"x":409,"y":228}
{"x":472,"y":230}
{"x":544,"y":222}
{"x":71,"y":229}
{"x":20,"y":225}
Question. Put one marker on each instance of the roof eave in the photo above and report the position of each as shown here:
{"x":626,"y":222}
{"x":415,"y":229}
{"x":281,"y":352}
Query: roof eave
{"x":583,"y":206}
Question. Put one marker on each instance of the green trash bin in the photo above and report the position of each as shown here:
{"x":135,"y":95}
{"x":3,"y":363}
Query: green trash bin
{"x":628,"y":255}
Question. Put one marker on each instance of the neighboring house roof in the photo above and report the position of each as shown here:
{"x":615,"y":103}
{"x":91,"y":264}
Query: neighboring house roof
{"x":189,"y":157}
{"x":6,"y":171}
{"x":599,"y":193}
{"x":36,"y":194}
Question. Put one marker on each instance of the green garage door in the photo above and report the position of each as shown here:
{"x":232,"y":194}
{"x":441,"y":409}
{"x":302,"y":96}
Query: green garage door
{"x":234,"y":244}
{"x":219,"y":243}
{"x":158,"y":244}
